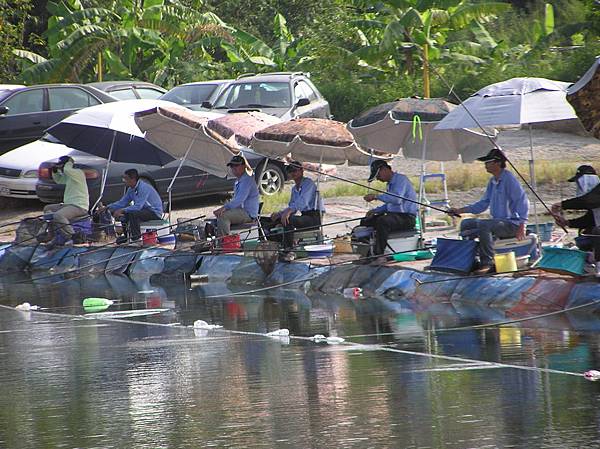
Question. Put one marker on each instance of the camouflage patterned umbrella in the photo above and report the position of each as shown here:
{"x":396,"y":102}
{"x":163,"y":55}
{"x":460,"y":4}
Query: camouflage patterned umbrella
{"x":311,"y":140}
{"x":583,"y":96}
{"x":408,"y":125}
{"x":239,"y":127}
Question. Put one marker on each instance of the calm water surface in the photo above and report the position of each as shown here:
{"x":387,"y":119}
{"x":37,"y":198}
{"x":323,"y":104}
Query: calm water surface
{"x":151,"y":382}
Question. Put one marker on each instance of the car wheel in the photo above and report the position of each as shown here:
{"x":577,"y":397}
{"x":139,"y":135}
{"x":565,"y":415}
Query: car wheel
{"x":271,"y":180}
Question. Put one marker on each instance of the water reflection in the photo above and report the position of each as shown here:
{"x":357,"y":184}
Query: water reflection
{"x":85,"y":383}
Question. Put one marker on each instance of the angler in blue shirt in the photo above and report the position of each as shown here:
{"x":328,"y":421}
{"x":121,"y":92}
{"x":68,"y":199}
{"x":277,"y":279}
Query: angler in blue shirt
{"x":304,"y":210}
{"x":141,"y":202}
{"x":508,"y":205}
{"x":399,"y":211}
{"x":243,"y":207}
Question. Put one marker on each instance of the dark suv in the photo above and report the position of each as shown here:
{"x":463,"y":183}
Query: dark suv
{"x":283,"y":94}
{"x":26,"y":112}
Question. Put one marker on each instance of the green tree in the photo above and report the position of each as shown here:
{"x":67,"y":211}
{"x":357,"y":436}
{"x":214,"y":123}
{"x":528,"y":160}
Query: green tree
{"x":150,"y":40}
{"x":13,"y":18}
{"x":403,"y":34}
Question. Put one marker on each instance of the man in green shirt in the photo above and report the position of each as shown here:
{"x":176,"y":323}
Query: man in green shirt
{"x":75,"y":200}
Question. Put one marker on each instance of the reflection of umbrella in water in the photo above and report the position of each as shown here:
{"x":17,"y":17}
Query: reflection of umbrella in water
{"x":516,"y":101}
{"x":311,"y":140}
{"x":409,"y":123}
{"x":583,"y":96}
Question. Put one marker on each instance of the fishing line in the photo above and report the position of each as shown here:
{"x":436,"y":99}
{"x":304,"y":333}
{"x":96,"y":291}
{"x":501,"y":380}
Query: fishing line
{"x":482,"y":326}
{"x":350,"y":345}
{"x":297,"y":281}
{"x":495,"y":144}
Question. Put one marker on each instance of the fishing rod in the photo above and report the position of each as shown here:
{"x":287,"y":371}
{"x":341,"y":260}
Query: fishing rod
{"x":18,"y":222}
{"x":339,"y":178}
{"x":459,"y":278}
{"x":97,"y":248}
{"x":495,"y":144}
{"x":271,"y":287}
{"x":113,"y":257}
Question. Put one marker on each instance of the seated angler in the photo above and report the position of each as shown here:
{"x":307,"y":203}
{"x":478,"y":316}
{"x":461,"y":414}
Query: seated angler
{"x":75,"y":202}
{"x":243,"y":207}
{"x":140,"y":203}
{"x":509,"y":208}
{"x":399,"y":211}
{"x":304,"y":210}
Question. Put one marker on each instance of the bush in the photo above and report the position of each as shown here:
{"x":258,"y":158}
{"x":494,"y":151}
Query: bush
{"x":348,"y":97}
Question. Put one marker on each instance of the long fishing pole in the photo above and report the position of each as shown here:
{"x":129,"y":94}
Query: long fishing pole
{"x":339,"y":178}
{"x":113,"y":257}
{"x":272,"y":287}
{"x":19,"y":221}
{"x":459,"y":278}
{"x":455,"y":95}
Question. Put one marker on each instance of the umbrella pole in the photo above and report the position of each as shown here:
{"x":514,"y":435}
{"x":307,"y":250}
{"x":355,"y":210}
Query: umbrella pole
{"x":318,"y":195}
{"x":422,"y":188}
{"x":105,"y":176}
{"x":533,"y":183}
{"x":170,"y":188}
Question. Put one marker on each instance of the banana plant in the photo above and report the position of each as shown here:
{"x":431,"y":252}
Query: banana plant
{"x":410,"y":31}
{"x":126,"y":39}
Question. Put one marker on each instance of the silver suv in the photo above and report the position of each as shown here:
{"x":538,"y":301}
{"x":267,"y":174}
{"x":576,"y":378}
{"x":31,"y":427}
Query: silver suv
{"x":286,"y":95}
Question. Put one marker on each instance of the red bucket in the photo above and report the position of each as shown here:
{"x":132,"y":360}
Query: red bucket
{"x":230,"y":243}
{"x":149,"y":238}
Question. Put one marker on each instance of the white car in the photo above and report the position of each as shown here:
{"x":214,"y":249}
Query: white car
{"x":19,"y":167}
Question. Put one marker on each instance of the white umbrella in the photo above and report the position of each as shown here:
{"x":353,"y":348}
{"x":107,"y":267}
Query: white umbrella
{"x":518,"y":101}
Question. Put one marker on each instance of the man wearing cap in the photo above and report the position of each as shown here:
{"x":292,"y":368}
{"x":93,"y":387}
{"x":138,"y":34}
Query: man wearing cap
{"x":75,"y":200}
{"x":588,"y":198}
{"x":243,"y":207}
{"x":399,"y":211}
{"x":304,"y":200}
{"x":141,"y":202}
{"x":509,"y":208}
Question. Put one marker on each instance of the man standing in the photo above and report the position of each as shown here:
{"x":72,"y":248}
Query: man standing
{"x":509,"y":208}
{"x":243,"y":207}
{"x":304,"y":200}
{"x":399,"y":211}
{"x":75,"y":201}
{"x":141,"y":202}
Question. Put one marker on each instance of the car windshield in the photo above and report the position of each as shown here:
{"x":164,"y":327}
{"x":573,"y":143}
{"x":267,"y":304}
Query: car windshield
{"x":255,"y":95}
{"x":190,"y":96}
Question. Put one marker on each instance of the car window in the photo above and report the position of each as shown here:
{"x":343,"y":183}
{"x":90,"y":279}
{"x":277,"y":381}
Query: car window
{"x":148,"y":93}
{"x":190,"y":96}
{"x":69,"y":98}
{"x":265,"y":94}
{"x":25,"y":102}
{"x":308,"y":91}
{"x":123,"y":94}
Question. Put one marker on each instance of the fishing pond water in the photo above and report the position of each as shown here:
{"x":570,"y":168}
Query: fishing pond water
{"x":400,"y":379}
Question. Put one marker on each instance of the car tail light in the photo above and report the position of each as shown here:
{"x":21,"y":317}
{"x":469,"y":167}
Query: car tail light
{"x":90,"y":173}
{"x":44,"y":172}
